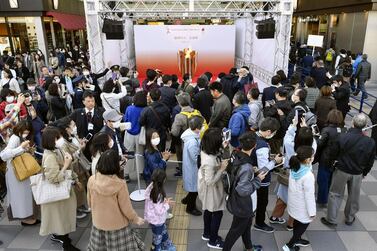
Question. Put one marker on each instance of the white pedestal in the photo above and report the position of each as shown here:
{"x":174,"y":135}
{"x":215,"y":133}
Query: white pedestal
{"x":138,"y":195}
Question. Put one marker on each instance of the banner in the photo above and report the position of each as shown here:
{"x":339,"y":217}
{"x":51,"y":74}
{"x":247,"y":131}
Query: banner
{"x":180,"y":49}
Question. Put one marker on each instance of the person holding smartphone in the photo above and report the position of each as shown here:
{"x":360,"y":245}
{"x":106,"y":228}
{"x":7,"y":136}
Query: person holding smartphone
{"x":240,"y":202}
{"x":261,"y":158}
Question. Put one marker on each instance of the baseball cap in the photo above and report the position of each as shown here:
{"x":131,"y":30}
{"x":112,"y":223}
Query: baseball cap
{"x":111,"y":115}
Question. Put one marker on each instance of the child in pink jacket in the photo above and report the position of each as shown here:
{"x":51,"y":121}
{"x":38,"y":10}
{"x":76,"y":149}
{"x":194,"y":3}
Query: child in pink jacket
{"x":155,"y":212}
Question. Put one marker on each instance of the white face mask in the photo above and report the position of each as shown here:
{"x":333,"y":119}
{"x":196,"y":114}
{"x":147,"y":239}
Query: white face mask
{"x":10,"y":99}
{"x":155,"y":141}
{"x":85,"y":73}
{"x":57,"y":80}
{"x":116,"y":124}
{"x":74,"y":130}
{"x":28,"y":100}
{"x":59,"y":143}
{"x":24,"y":136}
{"x":31,"y":88}
{"x":111,"y":144}
{"x":270,"y":136}
{"x":92,"y":87}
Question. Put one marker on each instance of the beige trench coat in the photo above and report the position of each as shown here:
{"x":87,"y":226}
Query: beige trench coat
{"x":210,"y":186}
{"x":57,"y":217}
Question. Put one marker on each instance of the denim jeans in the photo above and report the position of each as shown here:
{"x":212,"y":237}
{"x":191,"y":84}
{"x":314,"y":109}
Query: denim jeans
{"x":161,"y":241}
{"x":324,"y":182}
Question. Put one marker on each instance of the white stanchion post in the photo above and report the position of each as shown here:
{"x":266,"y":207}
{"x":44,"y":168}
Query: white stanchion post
{"x":139,"y":194}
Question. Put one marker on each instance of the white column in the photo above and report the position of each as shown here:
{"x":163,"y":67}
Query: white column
{"x":93,"y":24}
{"x":41,"y":35}
{"x":370,"y":47}
{"x":52,"y":33}
{"x":72,"y":38}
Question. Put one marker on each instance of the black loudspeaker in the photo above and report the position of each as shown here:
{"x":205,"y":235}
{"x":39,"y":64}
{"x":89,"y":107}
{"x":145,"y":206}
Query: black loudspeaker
{"x":266,"y":29}
{"x":113,"y":29}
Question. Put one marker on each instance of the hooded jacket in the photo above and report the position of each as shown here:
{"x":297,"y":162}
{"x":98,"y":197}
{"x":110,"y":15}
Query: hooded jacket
{"x":191,"y":151}
{"x":109,"y":200}
{"x":238,"y":123}
{"x":245,"y":184}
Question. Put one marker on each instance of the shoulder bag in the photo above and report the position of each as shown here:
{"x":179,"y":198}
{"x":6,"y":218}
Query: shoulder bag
{"x":283,"y":174}
{"x":25,"y":166}
{"x":45,"y":192}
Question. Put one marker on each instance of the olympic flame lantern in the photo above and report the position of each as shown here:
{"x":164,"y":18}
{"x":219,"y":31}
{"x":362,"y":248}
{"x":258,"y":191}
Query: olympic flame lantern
{"x":187,"y":61}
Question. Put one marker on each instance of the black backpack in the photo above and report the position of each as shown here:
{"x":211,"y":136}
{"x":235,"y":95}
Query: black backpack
{"x":229,"y":176}
{"x":347,"y":70}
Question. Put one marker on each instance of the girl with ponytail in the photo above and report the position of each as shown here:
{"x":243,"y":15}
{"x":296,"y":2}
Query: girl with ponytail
{"x":301,"y":197}
{"x":156,"y":211}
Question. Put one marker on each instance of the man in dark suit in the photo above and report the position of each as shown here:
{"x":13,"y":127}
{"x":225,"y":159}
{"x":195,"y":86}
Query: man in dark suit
{"x":203,"y":100}
{"x":88,"y":119}
{"x":168,"y":93}
{"x":269,"y":92}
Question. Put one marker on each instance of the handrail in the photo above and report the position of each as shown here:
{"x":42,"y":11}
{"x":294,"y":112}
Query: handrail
{"x":362,"y":101}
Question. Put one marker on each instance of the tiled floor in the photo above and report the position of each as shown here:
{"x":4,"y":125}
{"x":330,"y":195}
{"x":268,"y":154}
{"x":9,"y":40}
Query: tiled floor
{"x":361,"y":236}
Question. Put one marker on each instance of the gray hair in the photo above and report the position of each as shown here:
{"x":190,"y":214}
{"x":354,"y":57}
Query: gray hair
{"x":195,"y":122}
{"x":184,"y":99}
{"x":365,"y":56}
{"x":360,"y":121}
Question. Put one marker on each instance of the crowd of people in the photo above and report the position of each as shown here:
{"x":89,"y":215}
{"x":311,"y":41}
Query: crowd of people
{"x":217,"y":126}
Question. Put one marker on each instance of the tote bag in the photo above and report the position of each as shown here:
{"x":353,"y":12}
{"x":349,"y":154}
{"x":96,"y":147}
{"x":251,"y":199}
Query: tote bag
{"x":142,"y":136}
{"x":45,"y":192}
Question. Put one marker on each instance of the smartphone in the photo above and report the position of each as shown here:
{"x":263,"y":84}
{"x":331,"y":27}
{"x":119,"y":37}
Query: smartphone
{"x":296,"y":115}
{"x":226,"y":135}
{"x":315,"y":130}
{"x":89,"y":136}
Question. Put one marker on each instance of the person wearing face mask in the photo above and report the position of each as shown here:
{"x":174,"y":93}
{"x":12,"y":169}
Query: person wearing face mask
{"x":111,"y":100}
{"x":298,"y":98}
{"x":66,"y":80}
{"x":112,"y":124}
{"x":191,"y":151}
{"x":57,"y":103}
{"x":153,"y":157}
{"x":38,"y":99}
{"x":100,"y":143}
{"x":261,"y":158}
{"x":9,"y":97}
{"x":301,"y":196}
{"x":74,"y":146}
{"x":20,"y":199}
{"x":10,"y":82}
{"x":239,"y":122}
{"x":37,"y":122}
{"x":240,"y":202}
{"x":58,"y":219}
{"x":79,"y":84}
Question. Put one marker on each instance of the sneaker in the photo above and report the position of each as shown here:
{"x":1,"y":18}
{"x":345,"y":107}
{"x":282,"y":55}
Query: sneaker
{"x":205,"y":238}
{"x":302,"y":243}
{"x":127,"y":178}
{"x":276,"y":220}
{"x":289,"y":228}
{"x":85,"y":210}
{"x":194,"y":212}
{"x":257,"y":248}
{"x":327,"y":223}
{"x":169,"y":216}
{"x":70,"y":247}
{"x":217,"y":245}
{"x":265,"y":228}
{"x":80,"y":215}
{"x":57,"y":238}
{"x":286,"y":248}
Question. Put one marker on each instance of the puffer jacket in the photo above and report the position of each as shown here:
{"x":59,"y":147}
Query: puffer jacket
{"x":238,"y":123}
{"x":327,"y":145}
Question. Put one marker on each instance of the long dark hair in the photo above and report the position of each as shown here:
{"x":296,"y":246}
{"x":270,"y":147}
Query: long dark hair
{"x":158,"y":192}
{"x":302,"y":153}
{"x":148,"y":143}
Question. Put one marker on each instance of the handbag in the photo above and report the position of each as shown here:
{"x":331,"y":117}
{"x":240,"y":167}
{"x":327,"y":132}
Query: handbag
{"x":142,"y":136}
{"x":84,"y":162}
{"x":25,"y":166}
{"x":46,"y":192}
